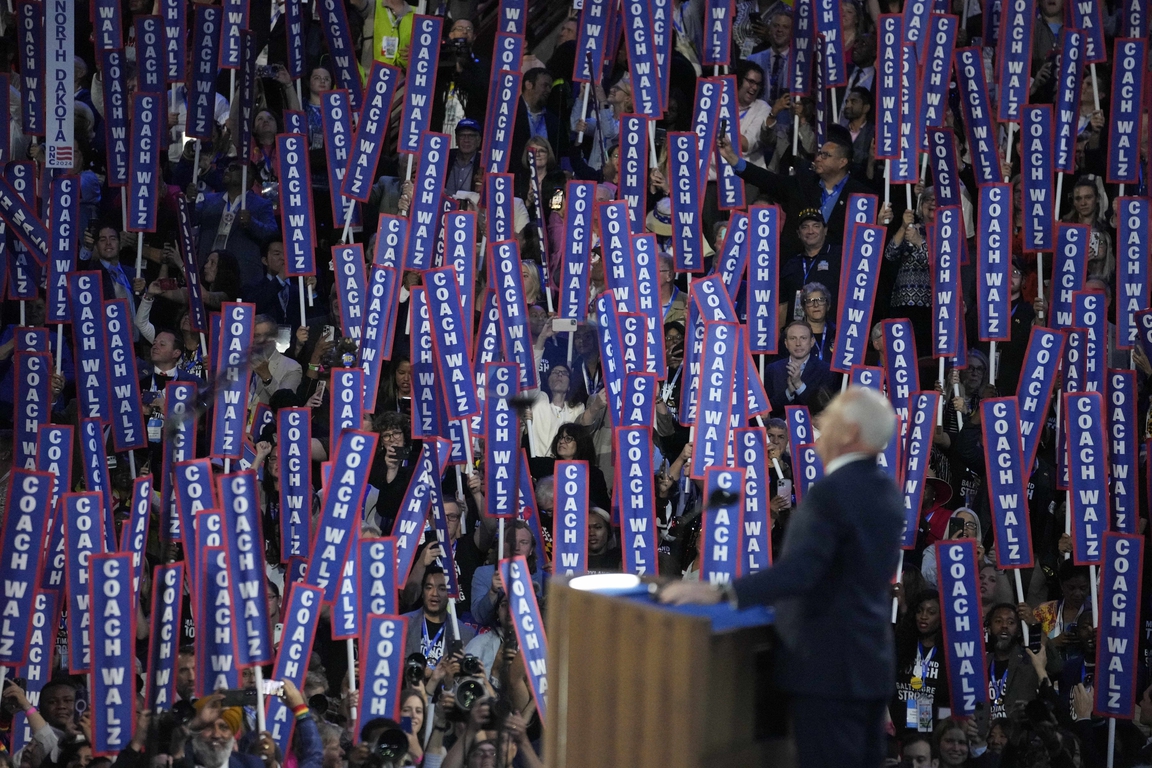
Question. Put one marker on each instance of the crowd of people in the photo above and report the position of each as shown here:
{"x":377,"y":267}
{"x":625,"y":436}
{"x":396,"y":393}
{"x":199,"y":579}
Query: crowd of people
{"x":1040,"y":700}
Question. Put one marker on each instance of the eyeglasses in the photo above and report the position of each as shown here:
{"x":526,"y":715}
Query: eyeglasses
{"x":817,"y":301}
{"x":824,"y":155}
{"x":452,"y":518}
{"x":392,"y":436}
{"x":565,"y":439}
{"x":756,"y":83}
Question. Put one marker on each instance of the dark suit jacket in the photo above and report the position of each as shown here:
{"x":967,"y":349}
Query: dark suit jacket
{"x":265,"y":294}
{"x":795,"y":193}
{"x":816,"y":375}
{"x":557,"y":136}
{"x":832,"y":586}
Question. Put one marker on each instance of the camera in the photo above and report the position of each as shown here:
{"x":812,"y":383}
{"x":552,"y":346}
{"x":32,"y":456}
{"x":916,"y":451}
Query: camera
{"x":392,"y":745}
{"x":470,"y":666}
{"x":319,"y":704}
{"x":459,"y":47}
{"x":414,"y":670}
{"x":468,"y":693}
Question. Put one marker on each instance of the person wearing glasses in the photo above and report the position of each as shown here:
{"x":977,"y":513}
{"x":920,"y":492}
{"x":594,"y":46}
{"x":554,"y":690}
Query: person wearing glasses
{"x":824,"y":184}
{"x":816,"y":262}
{"x":817,"y":306}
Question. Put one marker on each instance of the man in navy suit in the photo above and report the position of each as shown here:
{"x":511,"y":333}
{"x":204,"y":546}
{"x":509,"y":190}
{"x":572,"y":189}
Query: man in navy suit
{"x":239,"y":220}
{"x":831,"y":587}
{"x":533,"y":118}
{"x":801,"y":378}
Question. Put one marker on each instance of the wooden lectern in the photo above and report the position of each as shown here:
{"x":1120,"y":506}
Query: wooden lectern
{"x":637,"y":684}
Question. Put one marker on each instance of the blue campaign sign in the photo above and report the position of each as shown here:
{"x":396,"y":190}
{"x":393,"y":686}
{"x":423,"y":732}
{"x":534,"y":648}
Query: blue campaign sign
{"x":646,"y":268}
{"x":529,"y":626}
{"x":345,"y":60}
{"x":501,"y":443}
{"x":994,"y":261}
{"x":858,"y":278}
{"x":574,"y":262}
{"x":889,"y":37}
{"x":295,"y":176}
{"x":216,"y":616}
{"x":84,"y":528}
{"x":611,"y":356}
{"x":1067,"y":114}
{"x":869,"y":376}
{"x":164,"y":637}
{"x":377,"y":576}
{"x":113,"y":677}
{"x":752,"y":457}
{"x":249,"y":586}
{"x":1086,"y":16}
{"x":499,"y":194}
{"x":1122,"y":450}
{"x":1129,"y":59}
{"x":382,"y":668}
{"x":763,"y":279}
{"x":590,"y":39}
{"x":38,"y":669}
{"x":420,"y":81}
{"x":1069,"y":269}
{"x":900,"y":365}
{"x":1132,"y":268}
{"x":809,"y":469}
{"x":195,"y":492}
{"x":150,"y":57}
{"x":1089,"y":311}
{"x":201,"y":118}
{"x":1119,"y":625}
{"x":1034,"y":392}
{"x":233,"y":369}
{"x":705,"y":119}
{"x":1014,"y":58}
{"x":720,"y":525}
{"x":917,"y":447}
{"x":460,"y":254}
{"x":92,"y":390}
{"x":945,"y":167}
{"x":25,"y":521}
{"x":947,"y":246}
{"x":633,"y":159}
{"x":409,"y":525}
{"x":346,"y":405}
{"x":336,"y":119}
{"x":426,"y":212}
{"x":449,"y":341}
{"x":638,"y":401}
{"x":936,"y":72}
{"x":127,"y":418}
{"x":1006,"y":482}
{"x":645,"y":73}
{"x":1088,"y":469}
{"x":799,"y":425}
{"x":1071,"y":380}
{"x":64,"y":215}
{"x":1037,"y":175}
{"x":803,"y":49}
{"x":905,"y":169}
{"x":180,"y":416}
{"x":302,"y":612}
{"x":134,"y":534}
{"x":346,"y":608}
{"x":570,"y":519}
{"x":351,"y":284}
{"x":175,"y":13}
{"x":502,"y":120}
{"x":294,"y":441}
{"x":730,"y":187}
{"x":636,"y":497}
{"x":370,"y":132}
{"x":94,"y":460}
{"x":977,"y":115}
{"x":509,"y":286}
{"x":713,"y":434}
{"x":379,"y":330}
{"x":962,"y":620}
{"x":733,"y":259}
{"x":32,"y":383}
{"x":687,"y":232}
{"x":339,"y":515}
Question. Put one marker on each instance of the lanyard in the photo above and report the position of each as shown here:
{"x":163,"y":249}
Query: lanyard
{"x":593,"y":386}
{"x":426,"y":645}
{"x":921,"y":668}
{"x":996,"y":687}
{"x":669,"y":387}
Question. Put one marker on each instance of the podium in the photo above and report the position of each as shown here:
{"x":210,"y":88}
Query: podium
{"x":638,"y":684}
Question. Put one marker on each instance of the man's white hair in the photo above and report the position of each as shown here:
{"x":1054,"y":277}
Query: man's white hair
{"x":871,"y":412}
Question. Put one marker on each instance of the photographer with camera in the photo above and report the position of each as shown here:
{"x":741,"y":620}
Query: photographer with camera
{"x":468,"y":553}
{"x":488,"y":741}
{"x":462,"y":81}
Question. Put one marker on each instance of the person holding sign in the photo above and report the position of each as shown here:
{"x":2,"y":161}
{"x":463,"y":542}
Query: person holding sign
{"x":839,"y":554}
{"x":824,"y":185}
{"x":802,"y":378}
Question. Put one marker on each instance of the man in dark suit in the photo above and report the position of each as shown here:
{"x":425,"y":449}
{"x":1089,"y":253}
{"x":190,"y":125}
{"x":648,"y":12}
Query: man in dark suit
{"x":533,"y":118}
{"x":824,"y":184}
{"x":801,"y":378}
{"x":831,"y":588}
{"x":277,"y":295}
